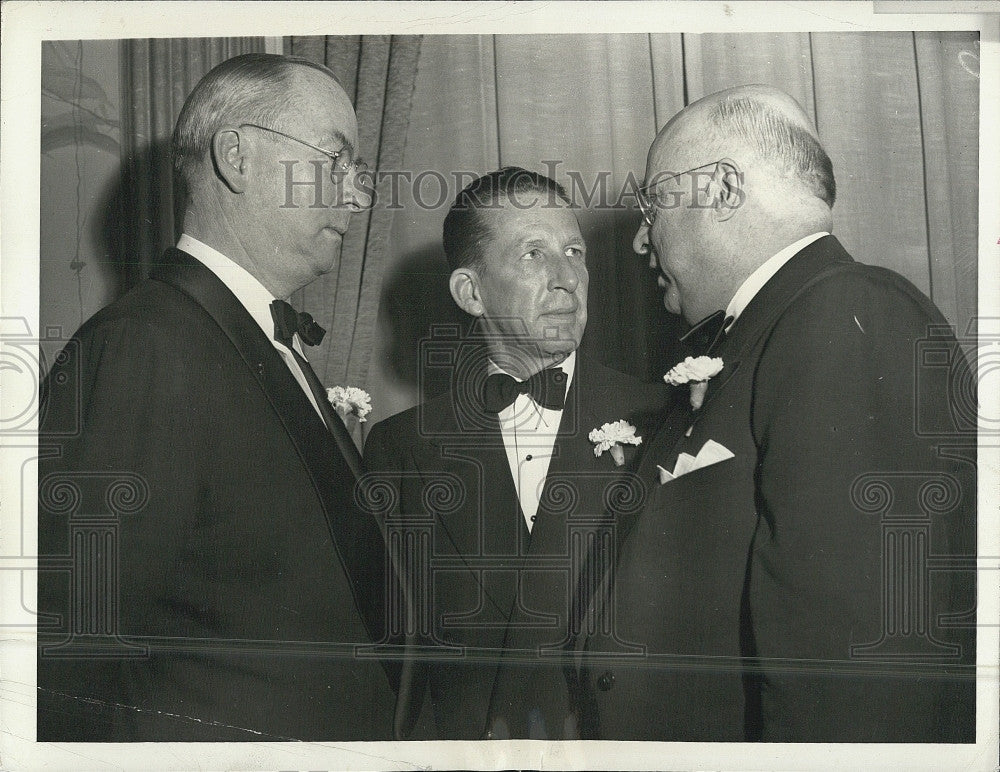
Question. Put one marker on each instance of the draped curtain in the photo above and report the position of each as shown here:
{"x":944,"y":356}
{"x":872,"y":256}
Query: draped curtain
{"x":897,"y":112}
{"x":157,"y":76}
{"x":378,"y":73}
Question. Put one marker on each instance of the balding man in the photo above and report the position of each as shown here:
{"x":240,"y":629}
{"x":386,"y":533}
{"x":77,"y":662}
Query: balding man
{"x":799,"y":571}
{"x":204,"y":573}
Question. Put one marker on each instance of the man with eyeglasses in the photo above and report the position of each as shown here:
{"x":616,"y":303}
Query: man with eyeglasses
{"x":802,"y":569}
{"x":235,"y":583}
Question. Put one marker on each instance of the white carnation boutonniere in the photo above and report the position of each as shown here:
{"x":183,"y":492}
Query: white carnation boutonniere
{"x":611,"y":437}
{"x":350,"y":400}
{"x":695,"y":371}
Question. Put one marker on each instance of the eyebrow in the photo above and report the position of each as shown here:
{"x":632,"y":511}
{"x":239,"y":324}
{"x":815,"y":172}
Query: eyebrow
{"x":542,"y":242}
{"x":339,"y":137}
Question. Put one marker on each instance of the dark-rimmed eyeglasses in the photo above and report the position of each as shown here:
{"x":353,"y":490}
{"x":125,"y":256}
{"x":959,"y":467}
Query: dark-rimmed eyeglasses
{"x":339,"y":170}
{"x":646,"y":195}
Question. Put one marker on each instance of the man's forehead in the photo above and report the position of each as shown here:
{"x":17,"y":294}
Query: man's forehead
{"x":321,"y":101}
{"x":519,"y":221}
{"x":317,"y":81}
{"x":662,"y":155}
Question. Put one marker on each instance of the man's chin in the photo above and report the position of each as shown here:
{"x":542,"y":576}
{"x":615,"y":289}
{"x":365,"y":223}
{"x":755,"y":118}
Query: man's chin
{"x":560,"y":350}
{"x":560,"y":329}
{"x":325,"y":267}
{"x":330,"y":258}
{"x":334,"y":236}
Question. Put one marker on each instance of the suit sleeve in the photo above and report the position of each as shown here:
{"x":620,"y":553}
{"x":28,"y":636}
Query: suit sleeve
{"x":109,"y":450}
{"x":384,"y":461}
{"x":388,"y":464}
{"x":111,"y":428}
{"x":836,"y":396}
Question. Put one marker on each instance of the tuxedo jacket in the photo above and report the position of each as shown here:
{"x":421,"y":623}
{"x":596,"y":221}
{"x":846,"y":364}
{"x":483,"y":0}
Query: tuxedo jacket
{"x":818,"y":586}
{"x":204,"y":571}
{"x":497,"y":600}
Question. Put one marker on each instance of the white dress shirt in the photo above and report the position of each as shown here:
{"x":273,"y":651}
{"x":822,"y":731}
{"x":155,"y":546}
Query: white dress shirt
{"x":756,"y":281}
{"x":529,"y":436}
{"x":254,"y":297}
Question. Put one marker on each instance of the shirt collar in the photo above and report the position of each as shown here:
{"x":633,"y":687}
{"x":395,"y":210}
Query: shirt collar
{"x":756,"y":281}
{"x":253,"y":295}
{"x":568,"y":366}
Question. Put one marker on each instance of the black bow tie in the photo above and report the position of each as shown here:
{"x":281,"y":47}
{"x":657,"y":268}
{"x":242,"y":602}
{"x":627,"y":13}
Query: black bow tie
{"x":547,"y":388}
{"x":288,"y":321}
{"x":708,"y":333}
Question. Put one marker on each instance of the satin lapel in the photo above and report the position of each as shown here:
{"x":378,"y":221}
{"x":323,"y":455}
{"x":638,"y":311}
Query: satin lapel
{"x":666,"y":438}
{"x":358,"y":541}
{"x":575,"y":466}
{"x":564,"y":493}
{"x":573,"y":451}
{"x":569,"y":481}
{"x":494,"y":514}
{"x":806,"y":267}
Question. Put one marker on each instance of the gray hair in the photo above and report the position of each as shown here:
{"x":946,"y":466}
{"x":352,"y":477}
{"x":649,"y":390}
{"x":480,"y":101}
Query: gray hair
{"x":778,"y":139}
{"x":251,"y":88}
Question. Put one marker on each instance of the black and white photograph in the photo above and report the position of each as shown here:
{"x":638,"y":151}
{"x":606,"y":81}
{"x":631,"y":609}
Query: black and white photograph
{"x":500,"y":385}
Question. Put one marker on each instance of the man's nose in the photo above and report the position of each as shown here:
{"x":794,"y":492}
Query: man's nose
{"x":564,"y":275}
{"x":642,"y":246}
{"x":359,"y":190}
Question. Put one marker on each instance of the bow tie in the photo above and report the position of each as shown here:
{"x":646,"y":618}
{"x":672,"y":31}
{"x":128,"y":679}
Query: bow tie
{"x":547,"y":388}
{"x":708,"y":333}
{"x":288,"y":321}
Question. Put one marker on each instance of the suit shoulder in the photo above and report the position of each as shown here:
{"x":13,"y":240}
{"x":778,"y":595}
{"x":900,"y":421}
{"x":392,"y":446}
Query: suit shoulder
{"x":880,"y":294}
{"x":396,"y":424}
{"x":404,"y":433}
{"x":404,"y":427}
{"x":855,"y":325}
{"x":606,"y":383}
{"x":151,"y":309}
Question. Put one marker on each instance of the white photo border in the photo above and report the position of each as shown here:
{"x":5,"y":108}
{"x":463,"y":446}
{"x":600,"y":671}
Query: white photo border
{"x":27,"y":24}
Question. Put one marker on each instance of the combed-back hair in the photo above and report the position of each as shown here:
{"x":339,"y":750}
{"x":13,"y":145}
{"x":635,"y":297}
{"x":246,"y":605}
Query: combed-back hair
{"x":251,"y":88}
{"x":780,"y":140}
{"x":465,"y":227}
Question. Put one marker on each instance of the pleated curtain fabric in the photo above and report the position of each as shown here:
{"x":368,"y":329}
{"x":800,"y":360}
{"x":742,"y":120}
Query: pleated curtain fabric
{"x":949,"y":123}
{"x":157,"y":76}
{"x":378,"y":73}
{"x":897,"y":111}
{"x":899,"y":116}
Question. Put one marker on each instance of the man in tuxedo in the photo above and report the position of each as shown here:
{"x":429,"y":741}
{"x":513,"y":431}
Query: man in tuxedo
{"x":499,"y":474}
{"x":802,"y":569}
{"x":204,"y":572}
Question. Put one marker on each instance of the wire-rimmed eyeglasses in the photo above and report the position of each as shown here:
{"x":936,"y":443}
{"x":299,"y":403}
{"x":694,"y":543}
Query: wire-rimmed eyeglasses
{"x":646,"y":196}
{"x":339,"y":169}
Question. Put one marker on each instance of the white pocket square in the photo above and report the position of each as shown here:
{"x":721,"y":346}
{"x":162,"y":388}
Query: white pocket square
{"x":711,"y":452}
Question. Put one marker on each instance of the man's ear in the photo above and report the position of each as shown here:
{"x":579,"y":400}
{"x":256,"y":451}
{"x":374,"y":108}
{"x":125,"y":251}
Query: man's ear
{"x":229,"y":158}
{"x":464,"y":286}
{"x":726,"y":189}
